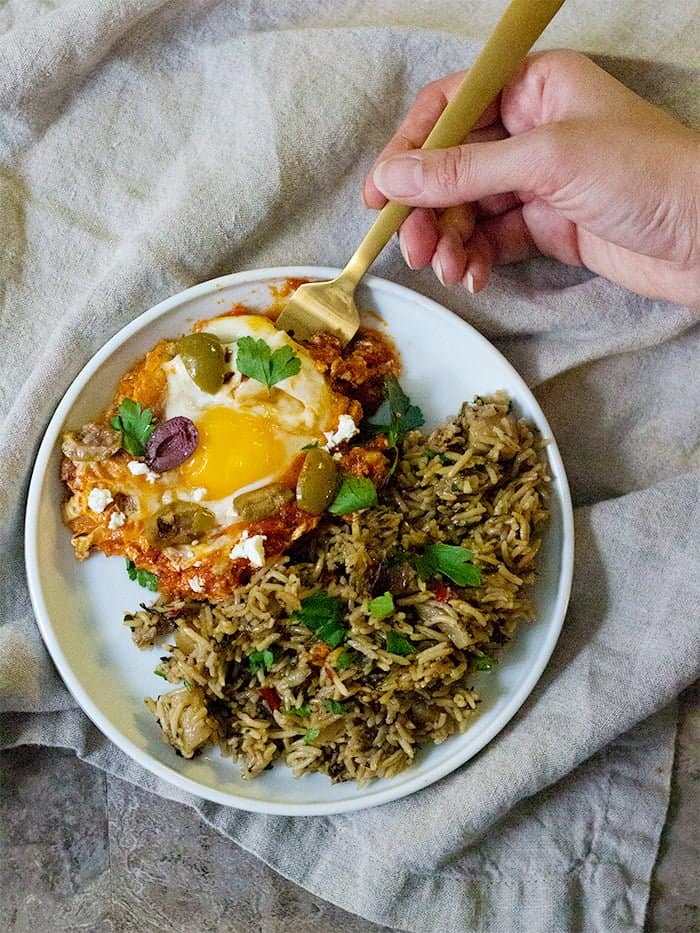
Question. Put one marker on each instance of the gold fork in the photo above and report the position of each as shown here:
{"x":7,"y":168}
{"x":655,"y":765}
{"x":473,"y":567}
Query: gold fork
{"x":330,"y":306}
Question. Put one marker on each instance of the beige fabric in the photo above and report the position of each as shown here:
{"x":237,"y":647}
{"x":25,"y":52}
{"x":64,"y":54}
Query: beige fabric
{"x":145,"y":146}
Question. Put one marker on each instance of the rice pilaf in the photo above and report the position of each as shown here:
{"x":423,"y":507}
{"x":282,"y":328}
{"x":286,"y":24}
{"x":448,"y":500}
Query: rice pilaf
{"x":398,"y":668}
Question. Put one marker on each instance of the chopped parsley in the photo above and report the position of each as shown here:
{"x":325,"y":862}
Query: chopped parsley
{"x":355,"y":493}
{"x":322,"y":614}
{"x":311,"y":736}
{"x":450,"y":560}
{"x":318,"y":608}
{"x":397,"y":644}
{"x":187,"y":685}
{"x":344,"y":659}
{"x":303,"y":710}
{"x":260,"y":661}
{"x":332,"y":634}
{"x":136,"y":425}
{"x":333,"y":706}
{"x":382,"y":606}
{"x":143,"y":577}
{"x":484,"y":663}
{"x":160,"y":673}
{"x":432,"y":454}
{"x":254,"y":358}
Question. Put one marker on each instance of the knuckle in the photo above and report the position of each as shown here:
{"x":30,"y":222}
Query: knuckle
{"x":565,"y":61}
{"x":452,"y":170}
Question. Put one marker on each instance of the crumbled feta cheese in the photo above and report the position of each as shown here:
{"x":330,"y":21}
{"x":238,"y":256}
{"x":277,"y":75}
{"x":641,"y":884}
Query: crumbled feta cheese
{"x":198,"y":494}
{"x":250,"y":549}
{"x":138,"y":468}
{"x":116,"y":520}
{"x":167,"y":497}
{"x":99,"y":499}
{"x":196,"y":584}
{"x":345,"y":430}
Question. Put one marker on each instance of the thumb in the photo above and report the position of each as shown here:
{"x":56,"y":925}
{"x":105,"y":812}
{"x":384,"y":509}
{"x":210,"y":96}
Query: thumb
{"x":446,"y":177}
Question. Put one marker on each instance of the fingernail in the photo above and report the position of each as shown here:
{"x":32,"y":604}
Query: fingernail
{"x":401,"y":177}
{"x":469,"y":282}
{"x":404,"y":251}
{"x":438,"y":270}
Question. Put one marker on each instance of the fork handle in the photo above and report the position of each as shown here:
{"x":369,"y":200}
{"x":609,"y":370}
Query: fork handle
{"x":516,"y":32}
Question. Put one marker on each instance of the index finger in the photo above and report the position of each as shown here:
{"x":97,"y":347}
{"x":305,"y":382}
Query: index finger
{"x":422,"y":116}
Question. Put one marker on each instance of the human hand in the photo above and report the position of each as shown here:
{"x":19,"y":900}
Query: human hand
{"x":566,"y":163}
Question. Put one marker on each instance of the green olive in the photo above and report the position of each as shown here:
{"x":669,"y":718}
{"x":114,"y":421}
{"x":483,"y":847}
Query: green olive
{"x":317,"y":481}
{"x":203,"y":357}
{"x":179,"y":523}
{"x":261,"y":503}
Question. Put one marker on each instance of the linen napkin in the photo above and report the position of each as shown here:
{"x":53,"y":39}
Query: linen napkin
{"x":147,"y":145}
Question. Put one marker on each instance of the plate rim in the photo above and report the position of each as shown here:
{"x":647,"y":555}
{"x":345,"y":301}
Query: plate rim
{"x":164,"y":772}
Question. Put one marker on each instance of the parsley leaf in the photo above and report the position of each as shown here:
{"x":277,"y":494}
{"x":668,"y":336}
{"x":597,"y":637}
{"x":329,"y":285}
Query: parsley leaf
{"x":311,"y":735}
{"x":332,"y":633}
{"x":136,"y":425}
{"x":159,"y":673}
{"x":303,"y":710}
{"x":254,"y":358}
{"x":147,"y":579}
{"x":260,"y":661}
{"x":317,"y":609}
{"x":355,"y":493}
{"x":143,"y":577}
{"x":397,"y":644}
{"x":322,"y":614}
{"x":452,"y":561}
{"x":382,"y":606}
{"x":403,"y":416}
{"x":484,"y":663}
{"x":333,"y":706}
{"x":344,"y":659}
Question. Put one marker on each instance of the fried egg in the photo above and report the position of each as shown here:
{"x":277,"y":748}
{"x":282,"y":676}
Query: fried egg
{"x":249,"y":435}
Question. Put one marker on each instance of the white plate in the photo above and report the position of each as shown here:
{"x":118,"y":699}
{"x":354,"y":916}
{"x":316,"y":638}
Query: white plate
{"x":79,"y":606}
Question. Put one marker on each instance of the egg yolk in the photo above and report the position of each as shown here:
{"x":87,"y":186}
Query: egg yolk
{"x":234,"y":449}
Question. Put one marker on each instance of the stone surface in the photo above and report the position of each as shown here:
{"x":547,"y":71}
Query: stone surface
{"x":83,"y":851}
